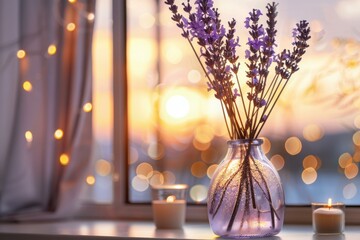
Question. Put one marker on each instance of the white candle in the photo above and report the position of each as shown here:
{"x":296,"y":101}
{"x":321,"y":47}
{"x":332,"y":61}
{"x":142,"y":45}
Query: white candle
{"x":169,"y":213}
{"x":328,"y":219}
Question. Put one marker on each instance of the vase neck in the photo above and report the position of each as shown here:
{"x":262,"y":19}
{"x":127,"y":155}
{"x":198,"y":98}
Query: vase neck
{"x":239,"y":142}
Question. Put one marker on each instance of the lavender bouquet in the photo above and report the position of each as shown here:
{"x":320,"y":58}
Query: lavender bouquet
{"x":246,"y":103}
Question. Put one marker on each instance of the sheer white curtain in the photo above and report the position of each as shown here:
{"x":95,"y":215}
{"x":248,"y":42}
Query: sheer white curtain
{"x":43,"y":93}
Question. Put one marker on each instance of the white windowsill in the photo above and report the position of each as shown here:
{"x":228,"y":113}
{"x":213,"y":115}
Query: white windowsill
{"x":110,"y":229}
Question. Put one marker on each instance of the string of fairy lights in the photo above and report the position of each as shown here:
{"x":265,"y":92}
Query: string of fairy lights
{"x":51,"y":50}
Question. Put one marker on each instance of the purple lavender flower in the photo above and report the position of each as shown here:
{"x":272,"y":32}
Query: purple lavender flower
{"x":247,"y":22}
{"x":218,"y":57}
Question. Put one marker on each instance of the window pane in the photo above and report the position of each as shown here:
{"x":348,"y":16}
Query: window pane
{"x":177,"y":133}
{"x":99,"y":180}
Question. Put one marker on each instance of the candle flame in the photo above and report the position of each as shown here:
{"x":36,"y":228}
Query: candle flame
{"x":170,"y":198}
{"x":329,"y":202}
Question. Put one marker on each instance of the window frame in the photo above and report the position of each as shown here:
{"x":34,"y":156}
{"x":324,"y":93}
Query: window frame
{"x":121,"y":208}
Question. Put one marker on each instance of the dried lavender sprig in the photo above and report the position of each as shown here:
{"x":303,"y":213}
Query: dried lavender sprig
{"x":287,"y":64}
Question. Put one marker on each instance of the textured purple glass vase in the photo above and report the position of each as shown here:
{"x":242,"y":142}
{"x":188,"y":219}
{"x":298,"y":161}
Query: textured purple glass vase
{"x":245,"y":198}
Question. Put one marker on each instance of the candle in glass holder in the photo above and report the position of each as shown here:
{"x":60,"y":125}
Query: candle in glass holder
{"x":169,"y":206}
{"x":328,"y":218}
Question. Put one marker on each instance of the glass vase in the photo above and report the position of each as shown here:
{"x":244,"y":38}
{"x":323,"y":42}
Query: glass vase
{"x":245,"y":197}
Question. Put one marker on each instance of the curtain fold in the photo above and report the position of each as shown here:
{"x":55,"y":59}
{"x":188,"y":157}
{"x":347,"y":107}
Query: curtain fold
{"x":45,"y":134}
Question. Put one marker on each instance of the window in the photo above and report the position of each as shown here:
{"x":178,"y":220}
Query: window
{"x":175,"y":131}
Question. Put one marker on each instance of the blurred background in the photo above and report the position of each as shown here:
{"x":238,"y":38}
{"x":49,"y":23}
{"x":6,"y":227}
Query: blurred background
{"x":176,"y":128}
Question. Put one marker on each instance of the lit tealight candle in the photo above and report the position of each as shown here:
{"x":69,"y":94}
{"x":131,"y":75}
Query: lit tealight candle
{"x":328,"y":219}
{"x":169,"y":210}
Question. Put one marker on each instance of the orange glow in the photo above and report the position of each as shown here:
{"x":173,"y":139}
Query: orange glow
{"x":310,"y":161}
{"x":345,"y":159}
{"x":144,"y":170}
{"x":356,"y":138}
{"x":313,"y":132}
{"x":204,"y":133}
{"x":266,"y":147}
{"x":351,"y":171}
{"x":64,"y":159}
{"x":58,"y":134}
{"x":198,"y":169}
{"x":211,"y":170}
{"x":278,"y":162}
{"x":201,"y":146}
{"x":157,"y":179}
{"x":293,"y":145}
{"x":309,"y":175}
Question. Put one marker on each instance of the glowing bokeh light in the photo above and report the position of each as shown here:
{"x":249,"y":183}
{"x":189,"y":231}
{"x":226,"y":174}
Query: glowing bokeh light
{"x":103,"y":167}
{"x":309,"y":176}
{"x":144,"y":170}
{"x":157,"y":179}
{"x":27,"y":86}
{"x":201,"y":146}
{"x":356,"y":156}
{"x":51,"y":49}
{"x":169,"y":177}
{"x":156,"y":151}
{"x":90,"y":180}
{"x":356,"y":138}
{"x":278,"y":161}
{"x":198,"y":193}
{"x":133,"y":155}
{"x":87,"y":107}
{"x":204,"y":133}
{"x":351,"y":171}
{"x":350,"y":191}
{"x":139,"y":184}
{"x":211,"y":170}
{"x":313,"y":132}
{"x":266,"y":146}
{"x":177,"y":106}
{"x":58,"y":134}
{"x":70,"y":27}
{"x":64,"y":159}
{"x":198,"y":169}
{"x":345,"y":159}
{"x":90,"y":17}
{"x":21,"y":54}
{"x":310,"y":161}
{"x":293,"y":145}
{"x":29,"y":136}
